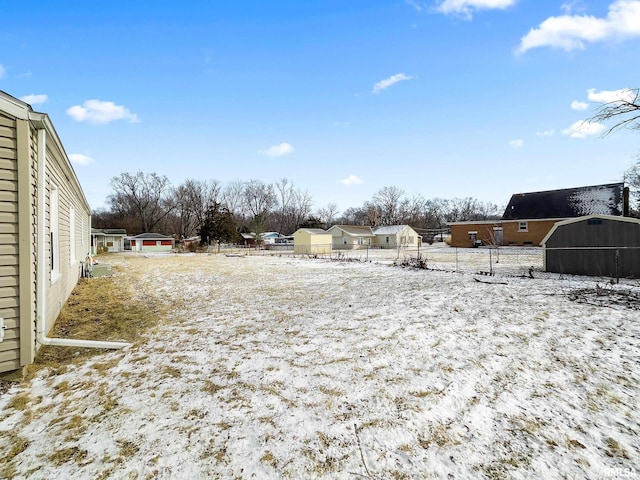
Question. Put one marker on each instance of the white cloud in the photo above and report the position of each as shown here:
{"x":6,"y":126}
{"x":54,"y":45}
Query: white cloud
{"x":516,"y":143}
{"x":277,"y":150}
{"x":572,"y":31}
{"x":351,"y":180}
{"x":35,"y":99}
{"x":3,"y":71}
{"x":609,"y":96}
{"x":465,"y":8}
{"x":99,"y":112}
{"x":584,"y":129}
{"x":576,"y":105}
{"x":387,"y":82}
{"x":546,"y":133}
{"x":80,"y":159}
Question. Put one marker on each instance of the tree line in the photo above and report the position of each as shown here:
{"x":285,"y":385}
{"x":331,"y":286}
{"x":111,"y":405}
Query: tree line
{"x":147,"y":202}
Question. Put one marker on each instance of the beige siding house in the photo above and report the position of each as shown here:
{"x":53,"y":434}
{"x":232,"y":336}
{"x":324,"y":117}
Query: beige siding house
{"x":44,"y":230}
{"x":396,"y":236}
{"x":351,"y":237}
{"x":311,"y":241}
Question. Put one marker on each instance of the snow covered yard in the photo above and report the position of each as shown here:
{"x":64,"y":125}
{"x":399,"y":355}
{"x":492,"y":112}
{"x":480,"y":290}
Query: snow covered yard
{"x":276,"y":367}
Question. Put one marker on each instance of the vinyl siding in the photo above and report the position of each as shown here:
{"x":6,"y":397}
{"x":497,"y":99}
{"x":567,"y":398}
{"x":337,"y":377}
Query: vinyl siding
{"x":19,"y":191}
{"x":9,"y":270}
{"x":68,"y":194}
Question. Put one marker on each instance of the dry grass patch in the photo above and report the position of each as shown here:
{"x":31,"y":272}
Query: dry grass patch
{"x":19,"y":401}
{"x":64,"y":455}
{"x":103,"y":308}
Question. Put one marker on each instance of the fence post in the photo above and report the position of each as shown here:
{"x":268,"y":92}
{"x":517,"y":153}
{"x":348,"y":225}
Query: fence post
{"x":490,"y":262}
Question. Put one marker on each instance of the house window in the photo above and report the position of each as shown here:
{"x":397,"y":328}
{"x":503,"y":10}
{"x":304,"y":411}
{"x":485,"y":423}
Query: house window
{"x":359,"y":240}
{"x":473,"y":236}
{"x":523,"y":226}
{"x":344,"y":241}
{"x":72,"y":234}
{"x":54,"y":232}
{"x":386,"y":239}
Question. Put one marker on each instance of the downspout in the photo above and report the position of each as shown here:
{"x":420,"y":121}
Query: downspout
{"x":41,"y":291}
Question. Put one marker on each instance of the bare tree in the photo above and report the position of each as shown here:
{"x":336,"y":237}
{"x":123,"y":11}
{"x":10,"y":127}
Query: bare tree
{"x":192,"y":200}
{"x":234,"y":199}
{"x":625,"y":110}
{"x":294,"y":206}
{"x":387,"y":201}
{"x":632,"y":178}
{"x":144,"y":196}
{"x":327,"y":214}
{"x":260,"y":198}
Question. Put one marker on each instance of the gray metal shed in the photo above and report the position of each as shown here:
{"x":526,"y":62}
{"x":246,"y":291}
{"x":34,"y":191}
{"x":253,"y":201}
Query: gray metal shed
{"x":597,"y":245}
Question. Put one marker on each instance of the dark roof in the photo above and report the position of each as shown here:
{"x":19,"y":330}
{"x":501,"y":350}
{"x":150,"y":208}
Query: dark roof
{"x":109,"y":231}
{"x":153,"y":235}
{"x":567,"y":203}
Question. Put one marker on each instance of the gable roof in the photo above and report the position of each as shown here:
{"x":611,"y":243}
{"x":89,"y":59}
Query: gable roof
{"x":153,"y":235}
{"x":567,"y":203}
{"x":389,"y":229}
{"x":314,"y":231}
{"x":354,"y":230}
{"x":109,"y":231}
{"x":586,"y":218}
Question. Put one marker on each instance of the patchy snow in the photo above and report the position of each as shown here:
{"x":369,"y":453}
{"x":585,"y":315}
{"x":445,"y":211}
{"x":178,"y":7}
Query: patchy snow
{"x":595,"y":201}
{"x":276,"y":367}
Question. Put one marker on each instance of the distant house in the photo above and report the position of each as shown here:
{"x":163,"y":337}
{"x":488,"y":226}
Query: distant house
{"x":266,"y":238}
{"x":529,"y":217}
{"x":45,"y":221}
{"x":107,"y":240}
{"x":152,"y":242}
{"x":311,"y":241}
{"x":394,"y":236}
{"x":345,"y":237}
{"x":597,"y":245}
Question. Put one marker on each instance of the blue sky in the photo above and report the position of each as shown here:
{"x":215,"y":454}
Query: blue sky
{"x":453,"y":98}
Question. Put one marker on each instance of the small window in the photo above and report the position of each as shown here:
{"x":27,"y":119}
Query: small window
{"x":594,"y":221}
{"x":523,"y":226}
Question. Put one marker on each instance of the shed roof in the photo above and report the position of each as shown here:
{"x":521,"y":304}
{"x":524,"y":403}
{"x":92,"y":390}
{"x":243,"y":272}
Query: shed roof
{"x":584,"y":218}
{"x":355,"y":230}
{"x":566,"y":203}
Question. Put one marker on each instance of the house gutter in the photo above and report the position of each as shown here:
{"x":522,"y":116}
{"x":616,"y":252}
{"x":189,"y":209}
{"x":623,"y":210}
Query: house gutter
{"x":41,"y":291}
